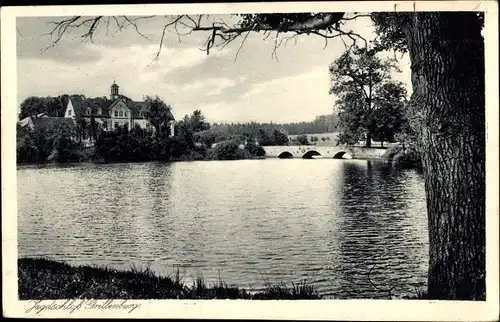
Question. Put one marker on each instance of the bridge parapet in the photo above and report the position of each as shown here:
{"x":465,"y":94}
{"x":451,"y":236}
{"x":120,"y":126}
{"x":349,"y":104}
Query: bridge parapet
{"x":307,"y":151}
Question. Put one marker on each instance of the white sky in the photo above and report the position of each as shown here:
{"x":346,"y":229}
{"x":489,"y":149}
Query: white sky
{"x":253,"y":86}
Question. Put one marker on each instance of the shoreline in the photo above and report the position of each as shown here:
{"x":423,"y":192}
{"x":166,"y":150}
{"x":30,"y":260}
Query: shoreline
{"x":46,"y":279}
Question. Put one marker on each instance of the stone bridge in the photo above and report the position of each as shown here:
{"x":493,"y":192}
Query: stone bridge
{"x":313,"y":151}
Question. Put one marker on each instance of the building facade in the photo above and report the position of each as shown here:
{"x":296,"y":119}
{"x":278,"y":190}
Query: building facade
{"x":117,"y":111}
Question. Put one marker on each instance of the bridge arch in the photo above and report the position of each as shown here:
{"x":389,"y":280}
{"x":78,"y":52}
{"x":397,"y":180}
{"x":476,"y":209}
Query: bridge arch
{"x":310,"y":154}
{"x":342,"y":155}
{"x":285,"y":155}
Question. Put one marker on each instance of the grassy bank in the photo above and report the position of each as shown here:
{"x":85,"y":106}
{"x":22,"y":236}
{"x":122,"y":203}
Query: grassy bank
{"x":47,"y":279}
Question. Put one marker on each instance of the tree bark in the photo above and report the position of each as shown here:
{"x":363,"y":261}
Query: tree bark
{"x":448,"y":113}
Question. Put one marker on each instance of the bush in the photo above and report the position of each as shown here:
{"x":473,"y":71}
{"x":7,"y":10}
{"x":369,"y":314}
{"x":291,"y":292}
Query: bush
{"x":255,"y":149}
{"x":229,"y":150}
{"x":408,"y":158}
{"x":302,"y":139}
{"x":391,"y":152}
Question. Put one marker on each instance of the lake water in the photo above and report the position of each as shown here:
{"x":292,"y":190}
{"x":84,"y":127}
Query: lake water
{"x":327,"y":222}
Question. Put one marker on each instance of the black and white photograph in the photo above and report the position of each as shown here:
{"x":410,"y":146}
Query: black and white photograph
{"x":304,"y":158}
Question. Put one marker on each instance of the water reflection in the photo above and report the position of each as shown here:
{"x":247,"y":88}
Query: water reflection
{"x":373,"y":234}
{"x":325,"y":221}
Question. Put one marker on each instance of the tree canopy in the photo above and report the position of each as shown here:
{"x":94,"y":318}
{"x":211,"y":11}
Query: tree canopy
{"x":370,"y":104}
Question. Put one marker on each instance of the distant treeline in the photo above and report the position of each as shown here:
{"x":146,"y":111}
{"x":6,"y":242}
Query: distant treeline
{"x":321,"y":124}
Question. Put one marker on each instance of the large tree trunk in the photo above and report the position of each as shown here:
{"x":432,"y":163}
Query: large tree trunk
{"x":447,"y":56}
{"x":368,"y":142}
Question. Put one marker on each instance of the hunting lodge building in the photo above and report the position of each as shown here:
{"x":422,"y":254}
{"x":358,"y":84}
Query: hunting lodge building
{"x":117,"y":111}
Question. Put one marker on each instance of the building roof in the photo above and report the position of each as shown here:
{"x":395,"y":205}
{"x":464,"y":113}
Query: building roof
{"x":47,"y":122}
{"x":81,"y":105}
{"x":25,"y":121}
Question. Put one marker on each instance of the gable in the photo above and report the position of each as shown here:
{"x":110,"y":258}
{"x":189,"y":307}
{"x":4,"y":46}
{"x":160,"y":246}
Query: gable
{"x":70,"y":111}
{"x":119,"y":105}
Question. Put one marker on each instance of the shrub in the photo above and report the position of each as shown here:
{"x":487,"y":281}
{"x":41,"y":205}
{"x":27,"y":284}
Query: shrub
{"x":406,"y":159}
{"x":302,"y":139}
{"x":255,"y":149}
{"x":229,"y":150}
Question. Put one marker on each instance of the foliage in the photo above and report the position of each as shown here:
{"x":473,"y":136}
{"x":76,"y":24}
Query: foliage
{"x":214,"y":135}
{"x":193,"y":141}
{"x":321,"y":124}
{"x":197,"y":122}
{"x":370,"y":104}
{"x":32,"y":146}
{"x":279,"y":138}
{"x":122,"y":145}
{"x":41,"y":144}
{"x":159,"y":115}
{"x":302,"y":139}
{"x":406,"y":157}
{"x":229,"y":150}
{"x":255,"y":149}
{"x":61,"y":140}
{"x":389,"y":113}
{"x":388,"y":28}
{"x":282,"y":21}
{"x":53,"y":106}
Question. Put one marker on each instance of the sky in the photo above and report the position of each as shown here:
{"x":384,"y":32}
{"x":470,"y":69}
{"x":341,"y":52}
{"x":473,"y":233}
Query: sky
{"x":234,"y":84}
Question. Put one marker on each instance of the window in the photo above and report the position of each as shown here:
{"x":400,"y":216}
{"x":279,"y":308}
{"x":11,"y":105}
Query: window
{"x":88,"y":111}
{"x":116,"y":125}
{"x":125,"y":113}
{"x":99,"y":111}
{"x":69,"y":112}
{"x":116,"y":113}
{"x":121,"y":113}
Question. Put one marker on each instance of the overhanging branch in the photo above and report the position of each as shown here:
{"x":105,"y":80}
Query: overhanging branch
{"x":325,"y":25}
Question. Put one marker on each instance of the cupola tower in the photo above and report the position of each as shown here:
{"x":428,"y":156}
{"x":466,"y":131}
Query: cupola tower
{"x":114,"y":91}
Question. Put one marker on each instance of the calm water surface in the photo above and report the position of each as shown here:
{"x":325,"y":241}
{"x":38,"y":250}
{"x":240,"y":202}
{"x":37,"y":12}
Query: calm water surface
{"x":327,"y":222}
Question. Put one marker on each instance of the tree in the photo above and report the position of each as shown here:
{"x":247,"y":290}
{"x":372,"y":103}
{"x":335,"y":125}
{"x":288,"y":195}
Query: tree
{"x":279,"y":137}
{"x":33,"y":105}
{"x":302,"y":139}
{"x":82,"y":128}
{"x":389,"y":112}
{"x":93,"y":129}
{"x":198,"y":122}
{"x":61,"y":137}
{"x":159,"y":115}
{"x":446,"y":111}
{"x":32,"y":146}
{"x":229,"y":150}
{"x":264,"y":138}
{"x":367,"y":94}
